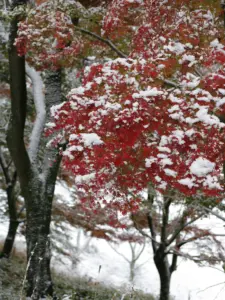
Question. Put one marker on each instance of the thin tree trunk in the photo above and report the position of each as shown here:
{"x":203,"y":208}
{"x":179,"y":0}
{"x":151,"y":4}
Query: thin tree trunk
{"x":10,"y":238}
{"x":132,"y":271}
{"x":11,"y":201}
{"x":160,"y":256}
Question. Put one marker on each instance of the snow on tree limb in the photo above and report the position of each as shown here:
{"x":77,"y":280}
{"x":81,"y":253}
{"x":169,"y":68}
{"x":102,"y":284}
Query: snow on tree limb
{"x":39,"y":102}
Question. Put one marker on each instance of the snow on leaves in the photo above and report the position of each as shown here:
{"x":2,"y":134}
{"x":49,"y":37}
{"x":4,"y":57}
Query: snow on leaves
{"x":47,"y":35}
{"x":155,"y":115}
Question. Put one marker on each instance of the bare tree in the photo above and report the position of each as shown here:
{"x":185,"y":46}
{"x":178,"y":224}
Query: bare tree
{"x":170,"y":230}
{"x":136,"y":252}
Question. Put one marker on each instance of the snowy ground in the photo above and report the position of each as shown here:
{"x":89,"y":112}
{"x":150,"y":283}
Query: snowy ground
{"x":189,"y":282}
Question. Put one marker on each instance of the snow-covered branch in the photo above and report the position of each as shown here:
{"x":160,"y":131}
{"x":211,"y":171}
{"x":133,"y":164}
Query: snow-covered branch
{"x":39,"y":102}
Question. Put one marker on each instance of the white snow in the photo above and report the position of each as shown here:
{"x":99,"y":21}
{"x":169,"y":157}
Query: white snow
{"x":165,"y":161}
{"x":206,"y":118}
{"x":164,"y":149}
{"x":91,"y":139}
{"x":190,"y":132}
{"x":170,"y":172}
{"x":150,"y":92}
{"x":222,"y":91}
{"x":39,"y":102}
{"x":88,"y":139}
{"x":175,"y":47}
{"x":84,"y":178}
{"x":149,"y":162}
{"x":189,"y":281}
{"x":212,"y":182}
{"x":187,"y":181}
{"x":68,"y":151}
{"x":190,"y":58}
{"x":216,"y":44}
{"x":201,"y":167}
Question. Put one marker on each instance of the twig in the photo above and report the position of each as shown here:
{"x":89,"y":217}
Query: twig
{"x":178,"y":230}
{"x":173,"y":84}
{"x":211,"y":286}
{"x":213,"y":213}
{"x":123,"y":256}
{"x":219,"y":292}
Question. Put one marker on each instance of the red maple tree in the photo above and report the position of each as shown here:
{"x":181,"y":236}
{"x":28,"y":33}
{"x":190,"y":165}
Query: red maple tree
{"x":151,"y":117}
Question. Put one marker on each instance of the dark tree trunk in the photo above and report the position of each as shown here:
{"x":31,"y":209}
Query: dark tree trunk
{"x":11,"y":201}
{"x":162,"y":265}
{"x":164,"y":287}
{"x":10,"y":238}
{"x":40,"y":207}
{"x":37,"y":182}
{"x":39,"y":282}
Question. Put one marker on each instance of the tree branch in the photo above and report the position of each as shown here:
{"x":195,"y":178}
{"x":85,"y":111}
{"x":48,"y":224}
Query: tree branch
{"x":173,"y":265}
{"x":145,"y":234}
{"x":141,"y":251}
{"x":213,"y":213}
{"x":171,"y":83}
{"x":165,"y":219}
{"x":105,"y":41}
{"x":150,"y":222}
{"x":194,"y":238}
{"x":15,"y":134}
{"x":123,"y":256}
{"x":182,"y":226}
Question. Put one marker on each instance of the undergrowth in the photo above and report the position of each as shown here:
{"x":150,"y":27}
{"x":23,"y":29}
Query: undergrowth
{"x":67,"y":288}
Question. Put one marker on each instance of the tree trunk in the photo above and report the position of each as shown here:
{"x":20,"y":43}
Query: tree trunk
{"x":162,"y":265}
{"x":39,"y":282}
{"x":10,"y":238}
{"x":132,"y":272}
{"x":164,"y":287}
{"x":11,"y":201}
{"x":40,"y":207}
{"x":37,"y":182}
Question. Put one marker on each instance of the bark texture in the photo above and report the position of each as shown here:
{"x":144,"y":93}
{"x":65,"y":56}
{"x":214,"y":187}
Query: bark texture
{"x":11,"y":201}
{"x":39,"y":209}
{"x":37,"y":181}
{"x":162,"y":265}
{"x":165,"y":269}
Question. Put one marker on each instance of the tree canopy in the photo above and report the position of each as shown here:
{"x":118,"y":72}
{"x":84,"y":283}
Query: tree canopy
{"x":155,"y":115}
